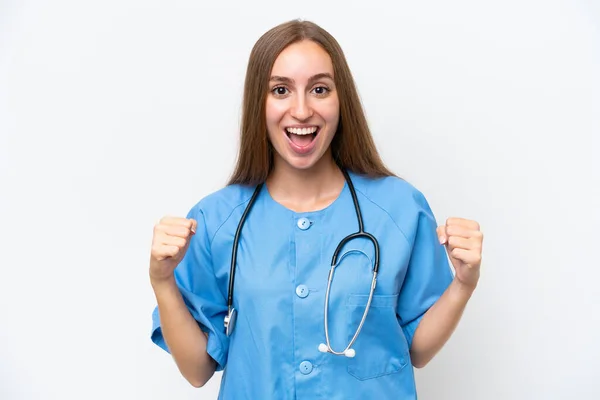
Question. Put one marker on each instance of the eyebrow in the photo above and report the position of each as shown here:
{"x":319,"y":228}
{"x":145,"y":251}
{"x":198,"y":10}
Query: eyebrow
{"x":313,"y":78}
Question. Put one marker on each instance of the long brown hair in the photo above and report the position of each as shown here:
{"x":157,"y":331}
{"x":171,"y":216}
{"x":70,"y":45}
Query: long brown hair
{"x":352,"y":147}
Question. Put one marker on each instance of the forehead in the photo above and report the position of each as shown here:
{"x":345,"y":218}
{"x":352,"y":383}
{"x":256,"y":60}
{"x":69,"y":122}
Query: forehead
{"x":302,"y":60}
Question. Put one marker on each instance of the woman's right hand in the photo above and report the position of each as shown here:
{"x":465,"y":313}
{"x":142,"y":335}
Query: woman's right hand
{"x":169,"y":244}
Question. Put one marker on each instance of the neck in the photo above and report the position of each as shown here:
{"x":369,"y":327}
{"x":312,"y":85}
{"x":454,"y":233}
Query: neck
{"x":306,"y":190}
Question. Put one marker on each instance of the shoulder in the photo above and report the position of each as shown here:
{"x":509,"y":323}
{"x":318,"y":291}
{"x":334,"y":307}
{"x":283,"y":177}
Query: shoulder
{"x":404,"y":203}
{"x":214,"y":209}
{"x":390,"y":193}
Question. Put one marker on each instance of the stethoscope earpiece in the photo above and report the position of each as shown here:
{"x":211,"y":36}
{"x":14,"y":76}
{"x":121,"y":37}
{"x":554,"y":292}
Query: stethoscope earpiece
{"x":350,"y":353}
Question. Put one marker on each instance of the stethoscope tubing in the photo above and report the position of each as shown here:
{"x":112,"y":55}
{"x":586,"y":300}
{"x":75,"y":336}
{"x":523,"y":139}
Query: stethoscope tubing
{"x":231,"y":316}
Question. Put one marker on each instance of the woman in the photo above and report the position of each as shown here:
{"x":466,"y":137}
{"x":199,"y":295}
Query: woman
{"x":305,"y":151}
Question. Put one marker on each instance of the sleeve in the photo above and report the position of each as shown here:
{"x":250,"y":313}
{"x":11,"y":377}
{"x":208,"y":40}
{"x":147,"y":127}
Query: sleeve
{"x":198,"y":285}
{"x":429,"y":272}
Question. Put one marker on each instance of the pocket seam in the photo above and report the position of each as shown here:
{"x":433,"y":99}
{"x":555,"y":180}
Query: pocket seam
{"x":378,"y":301}
{"x":353,"y":371}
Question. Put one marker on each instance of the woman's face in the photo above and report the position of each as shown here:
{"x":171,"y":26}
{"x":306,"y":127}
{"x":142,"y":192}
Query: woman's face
{"x":302,"y":107}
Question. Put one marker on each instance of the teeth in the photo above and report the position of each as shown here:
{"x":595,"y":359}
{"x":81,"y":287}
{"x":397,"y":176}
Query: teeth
{"x":302,"y":131}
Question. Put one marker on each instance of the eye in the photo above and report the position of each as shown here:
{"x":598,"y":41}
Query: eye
{"x":279,"y":91}
{"x":321,"y":90}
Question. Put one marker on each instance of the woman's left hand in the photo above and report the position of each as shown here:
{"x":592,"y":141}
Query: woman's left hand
{"x":463,"y":240}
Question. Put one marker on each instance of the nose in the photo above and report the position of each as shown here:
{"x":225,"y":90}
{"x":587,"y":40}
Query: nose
{"x":301,"y":109}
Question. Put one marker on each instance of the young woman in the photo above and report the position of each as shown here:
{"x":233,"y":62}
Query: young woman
{"x":285,"y":324}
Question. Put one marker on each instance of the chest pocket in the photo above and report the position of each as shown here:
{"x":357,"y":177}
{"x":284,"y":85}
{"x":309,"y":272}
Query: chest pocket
{"x":381,"y":347}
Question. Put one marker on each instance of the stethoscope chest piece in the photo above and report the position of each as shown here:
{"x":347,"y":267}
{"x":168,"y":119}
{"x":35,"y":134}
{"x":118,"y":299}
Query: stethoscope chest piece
{"x":230,"y":320}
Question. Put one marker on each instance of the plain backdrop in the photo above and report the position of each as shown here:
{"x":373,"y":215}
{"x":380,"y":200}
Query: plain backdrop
{"x":115,"y":113}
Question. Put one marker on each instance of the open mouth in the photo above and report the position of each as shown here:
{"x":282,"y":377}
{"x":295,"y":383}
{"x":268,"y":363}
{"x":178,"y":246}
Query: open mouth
{"x":302,"y":137}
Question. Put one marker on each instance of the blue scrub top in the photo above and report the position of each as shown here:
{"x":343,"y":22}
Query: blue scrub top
{"x":283,"y":263}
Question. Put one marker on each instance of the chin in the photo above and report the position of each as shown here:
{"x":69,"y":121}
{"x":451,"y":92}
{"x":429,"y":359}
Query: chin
{"x":304,"y":163}
{"x":301,"y":164}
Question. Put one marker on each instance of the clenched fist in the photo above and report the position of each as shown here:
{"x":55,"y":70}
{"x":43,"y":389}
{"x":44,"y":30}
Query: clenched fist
{"x":464,"y":240}
{"x":169,"y":244}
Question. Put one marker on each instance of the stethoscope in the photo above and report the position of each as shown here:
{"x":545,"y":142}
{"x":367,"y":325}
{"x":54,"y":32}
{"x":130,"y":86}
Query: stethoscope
{"x":231,"y":316}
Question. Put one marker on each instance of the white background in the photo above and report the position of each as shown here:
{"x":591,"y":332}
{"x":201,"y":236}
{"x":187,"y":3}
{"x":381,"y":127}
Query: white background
{"x":115,"y":113}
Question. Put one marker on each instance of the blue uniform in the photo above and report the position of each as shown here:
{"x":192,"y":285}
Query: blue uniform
{"x":283,"y":263}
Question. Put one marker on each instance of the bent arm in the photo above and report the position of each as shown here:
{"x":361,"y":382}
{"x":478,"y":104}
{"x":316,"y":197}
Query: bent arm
{"x":439,"y":322}
{"x":183,"y":336}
